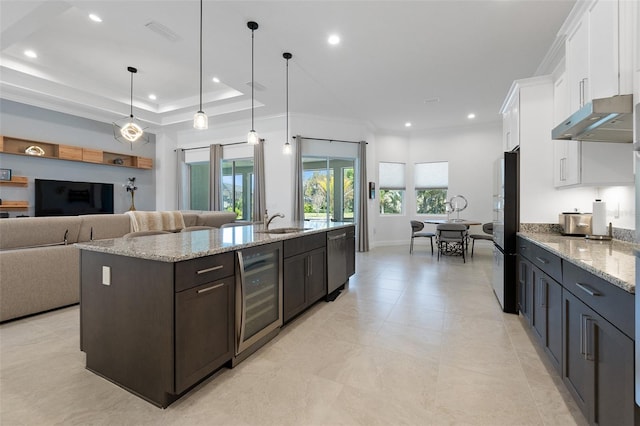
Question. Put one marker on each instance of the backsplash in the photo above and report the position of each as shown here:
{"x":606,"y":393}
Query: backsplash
{"x":621,"y":234}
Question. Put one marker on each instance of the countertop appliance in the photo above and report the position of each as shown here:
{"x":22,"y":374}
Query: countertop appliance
{"x":258,"y":298}
{"x":576,"y":223}
{"x":506,"y":205}
{"x":601,"y":120}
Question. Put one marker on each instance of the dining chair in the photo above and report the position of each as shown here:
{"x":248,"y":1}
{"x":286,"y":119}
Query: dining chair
{"x":416,"y":232}
{"x":451,"y":238}
{"x":487,"y":228}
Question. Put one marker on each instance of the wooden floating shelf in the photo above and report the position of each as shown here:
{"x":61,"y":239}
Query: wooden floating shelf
{"x":15,"y":181}
{"x":14,"y":205}
{"x":16,"y":146}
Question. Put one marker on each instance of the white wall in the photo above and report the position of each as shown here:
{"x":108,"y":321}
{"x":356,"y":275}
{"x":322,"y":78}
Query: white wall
{"x":471,"y":152}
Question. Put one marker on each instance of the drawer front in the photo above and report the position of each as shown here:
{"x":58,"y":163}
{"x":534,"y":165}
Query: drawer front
{"x":144,"y":163}
{"x":92,"y":155}
{"x":66,"y":152}
{"x":614,"y":304}
{"x":524,"y":248}
{"x":548,"y":262}
{"x":299,"y":245}
{"x":191,"y":273}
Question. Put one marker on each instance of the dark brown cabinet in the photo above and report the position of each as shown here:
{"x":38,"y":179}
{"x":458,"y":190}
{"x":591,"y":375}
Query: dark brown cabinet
{"x":597,"y":365}
{"x":304,"y":277}
{"x":204,"y":340}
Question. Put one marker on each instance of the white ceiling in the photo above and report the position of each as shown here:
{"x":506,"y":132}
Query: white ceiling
{"x":394,"y":56}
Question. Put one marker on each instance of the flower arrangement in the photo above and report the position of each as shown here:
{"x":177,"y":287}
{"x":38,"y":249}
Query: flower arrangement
{"x":131,"y":187}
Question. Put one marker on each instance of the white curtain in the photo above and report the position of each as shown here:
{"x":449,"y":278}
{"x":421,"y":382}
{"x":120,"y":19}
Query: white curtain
{"x":259,"y":197}
{"x":183,"y":188}
{"x":215,"y":173}
{"x":363,"y":221}
{"x":298,"y":196}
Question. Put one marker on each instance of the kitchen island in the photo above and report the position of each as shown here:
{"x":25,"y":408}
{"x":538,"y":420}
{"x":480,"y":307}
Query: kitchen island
{"x":578,"y":298}
{"x":160,"y":313}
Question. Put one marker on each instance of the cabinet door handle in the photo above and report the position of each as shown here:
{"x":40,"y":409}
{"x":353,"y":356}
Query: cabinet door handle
{"x":213,"y":287}
{"x":587,"y":340}
{"x":542,"y":260}
{"x":587,"y":289}
{"x":214,"y":268}
{"x":583,"y":338}
{"x":581,"y":87}
{"x":310,"y":266}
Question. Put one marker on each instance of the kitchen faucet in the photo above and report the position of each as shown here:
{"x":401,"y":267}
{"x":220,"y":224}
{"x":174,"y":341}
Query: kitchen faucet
{"x":270,"y":218}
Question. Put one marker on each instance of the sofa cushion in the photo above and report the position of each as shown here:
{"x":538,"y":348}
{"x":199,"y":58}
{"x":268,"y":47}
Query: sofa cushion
{"x":190,"y":218}
{"x":38,"y":279}
{"x":215,"y":218}
{"x":104,"y":226}
{"x":37,"y":231}
{"x":156,"y":221}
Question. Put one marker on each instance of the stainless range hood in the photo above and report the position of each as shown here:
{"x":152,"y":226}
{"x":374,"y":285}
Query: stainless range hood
{"x":602,"y":120}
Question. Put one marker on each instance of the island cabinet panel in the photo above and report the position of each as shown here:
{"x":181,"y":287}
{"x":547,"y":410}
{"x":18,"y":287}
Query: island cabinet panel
{"x":525,"y":288}
{"x":204,"y":340}
{"x":597,"y":365}
{"x":203,"y":270}
{"x":127,"y":325}
{"x":546,"y":318}
{"x":304,"y":277}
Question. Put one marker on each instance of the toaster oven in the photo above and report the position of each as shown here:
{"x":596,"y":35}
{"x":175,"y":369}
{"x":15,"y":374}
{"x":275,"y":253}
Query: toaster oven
{"x":575,"y":223}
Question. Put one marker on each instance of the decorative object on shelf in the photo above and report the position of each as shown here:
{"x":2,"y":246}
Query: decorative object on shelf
{"x":118,"y":161}
{"x":286,"y":149}
{"x":458,"y":203}
{"x":200,"y":119}
{"x":127,"y":129}
{"x":131,"y":187}
{"x":252,"y":137}
{"x":34,"y":150}
{"x":5,"y":174}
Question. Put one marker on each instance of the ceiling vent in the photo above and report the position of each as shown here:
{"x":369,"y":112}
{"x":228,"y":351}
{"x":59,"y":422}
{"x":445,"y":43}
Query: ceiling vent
{"x":163,"y":31}
{"x":259,"y":87}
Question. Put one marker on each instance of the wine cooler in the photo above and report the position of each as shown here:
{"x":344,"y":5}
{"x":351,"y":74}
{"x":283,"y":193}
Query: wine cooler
{"x":258,"y":297}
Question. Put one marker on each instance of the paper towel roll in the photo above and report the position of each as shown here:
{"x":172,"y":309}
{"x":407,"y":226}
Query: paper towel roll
{"x":599,"y":218}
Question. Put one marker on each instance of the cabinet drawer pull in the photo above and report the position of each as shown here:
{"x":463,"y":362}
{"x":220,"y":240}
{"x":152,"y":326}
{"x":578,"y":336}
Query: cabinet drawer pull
{"x":542,"y":260}
{"x":587,"y":290}
{"x":213,"y":287}
{"x":204,"y":271}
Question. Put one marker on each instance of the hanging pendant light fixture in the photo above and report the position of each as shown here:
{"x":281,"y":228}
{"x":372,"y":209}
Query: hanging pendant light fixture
{"x":128,"y":129}
{"x":200,"y":119}
{"x":286,"y":149}
{"x":252,"y":137}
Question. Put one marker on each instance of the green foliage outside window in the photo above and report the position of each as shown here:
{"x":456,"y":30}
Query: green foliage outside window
{"x":431,"y":201}
{"x":391,"y":201}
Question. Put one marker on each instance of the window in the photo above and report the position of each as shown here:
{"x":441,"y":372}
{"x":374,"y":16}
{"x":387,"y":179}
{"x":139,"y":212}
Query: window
{"x":328,"y":188}
{"x":431,"y":183}
{"x":237,"y":187}
{"x":392,"y":186}
{"x":199,"y":175}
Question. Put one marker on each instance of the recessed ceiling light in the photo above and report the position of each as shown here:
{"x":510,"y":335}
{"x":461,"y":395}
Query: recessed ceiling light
{"x":471,"y":116}
{"x":95,"y":18}
{"x":153,"y":97}
{"x":334,"y":39}
{"x":216,"y":80}
{"x":407,"y":124}
{"x":30,"y":54}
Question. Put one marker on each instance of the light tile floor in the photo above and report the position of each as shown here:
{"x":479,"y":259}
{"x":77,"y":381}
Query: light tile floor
{"x":411,"y":341}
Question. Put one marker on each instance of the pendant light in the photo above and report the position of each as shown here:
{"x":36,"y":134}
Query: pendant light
{"x":200,"y":119}
{"x":286,"y":149}
{"x":252,"y":137}
{"x":127,"y":129}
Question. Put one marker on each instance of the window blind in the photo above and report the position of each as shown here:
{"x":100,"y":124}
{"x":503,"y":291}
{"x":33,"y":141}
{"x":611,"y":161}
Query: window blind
{"x":432,"y":175}
{"x":391,"y":176}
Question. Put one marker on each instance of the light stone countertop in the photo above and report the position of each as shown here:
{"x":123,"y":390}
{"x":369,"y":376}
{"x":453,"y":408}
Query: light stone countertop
{"x":181,"y":246}
{"x":613,"y":261}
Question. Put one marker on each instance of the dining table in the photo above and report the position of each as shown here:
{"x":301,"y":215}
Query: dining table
{"x":467,"y":222}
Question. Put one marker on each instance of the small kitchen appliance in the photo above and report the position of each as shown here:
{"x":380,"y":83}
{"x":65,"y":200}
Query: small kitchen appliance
{"x":576,"y":223}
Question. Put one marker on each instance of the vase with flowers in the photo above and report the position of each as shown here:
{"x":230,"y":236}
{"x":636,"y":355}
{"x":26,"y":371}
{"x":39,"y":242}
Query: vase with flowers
{"x":131,"y":187}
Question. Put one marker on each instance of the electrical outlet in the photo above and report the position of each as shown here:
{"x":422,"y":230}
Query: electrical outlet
{"x":106,"y":275}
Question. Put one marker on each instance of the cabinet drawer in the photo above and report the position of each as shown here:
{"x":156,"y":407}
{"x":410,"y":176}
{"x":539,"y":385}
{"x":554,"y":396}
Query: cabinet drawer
{"x":614,"y":304}
{"x":548,"y":262}
{"x":299,"y":245}
{"x":143,"y":163}
{"x":67,"y":152}
{"x":191,"y":273}
{"x":524,"y":248}
{"x":92,"y":155}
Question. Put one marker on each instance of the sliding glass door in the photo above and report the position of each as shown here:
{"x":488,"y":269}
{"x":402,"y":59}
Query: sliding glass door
{"x":328,"y":187}
{"x":237,"y":187}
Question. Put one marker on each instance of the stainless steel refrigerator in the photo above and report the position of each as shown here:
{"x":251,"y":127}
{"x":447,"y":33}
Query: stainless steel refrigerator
{"x":506,"y":223}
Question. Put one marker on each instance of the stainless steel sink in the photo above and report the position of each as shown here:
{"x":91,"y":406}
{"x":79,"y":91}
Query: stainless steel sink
{"x":282,"y":230}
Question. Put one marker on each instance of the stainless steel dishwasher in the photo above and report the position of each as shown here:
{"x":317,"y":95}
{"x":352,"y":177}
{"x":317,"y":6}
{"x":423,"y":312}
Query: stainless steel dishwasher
{"x":336,"y":261}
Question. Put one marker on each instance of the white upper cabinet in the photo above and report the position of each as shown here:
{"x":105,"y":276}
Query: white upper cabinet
{"x":511,"y":123}
{"x":599,"y":52}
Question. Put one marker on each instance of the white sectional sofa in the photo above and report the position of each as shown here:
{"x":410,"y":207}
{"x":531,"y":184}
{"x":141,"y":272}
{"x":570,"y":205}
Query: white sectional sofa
{"x":39,"y":265}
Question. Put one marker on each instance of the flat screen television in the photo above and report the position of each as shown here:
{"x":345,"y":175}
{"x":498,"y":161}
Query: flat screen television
{"x":65,"y":198}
